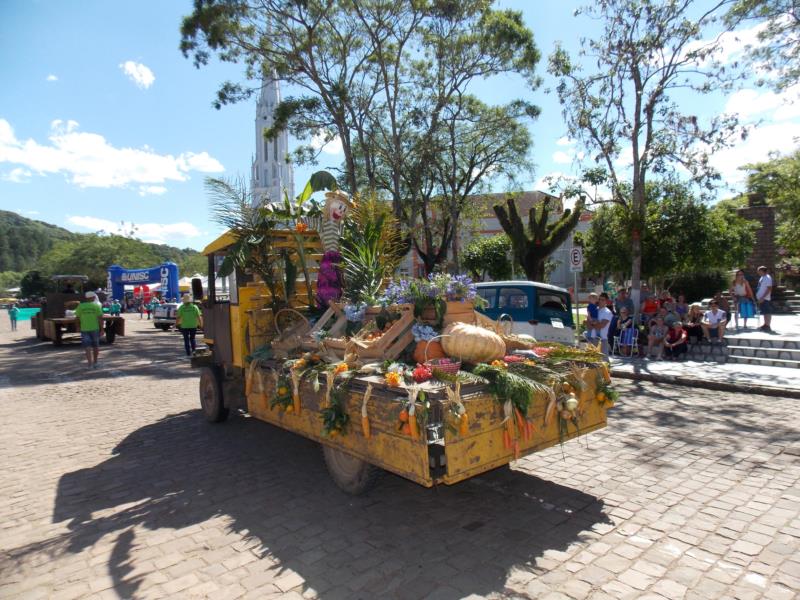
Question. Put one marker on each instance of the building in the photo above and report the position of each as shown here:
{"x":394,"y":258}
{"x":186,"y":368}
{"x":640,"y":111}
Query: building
{"x":271,"y":169}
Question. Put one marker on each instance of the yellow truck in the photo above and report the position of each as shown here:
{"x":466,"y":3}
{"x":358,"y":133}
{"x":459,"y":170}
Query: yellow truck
{"x":443,"y":453}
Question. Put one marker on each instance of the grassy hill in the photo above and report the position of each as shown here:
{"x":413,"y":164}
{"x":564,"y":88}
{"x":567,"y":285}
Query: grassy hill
{"x":29,"y":245}
{"x":23,"y":241}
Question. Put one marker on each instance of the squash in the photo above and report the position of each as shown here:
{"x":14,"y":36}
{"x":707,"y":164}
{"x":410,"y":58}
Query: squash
{"x":472,"y":344}
{"x":435,"y":350}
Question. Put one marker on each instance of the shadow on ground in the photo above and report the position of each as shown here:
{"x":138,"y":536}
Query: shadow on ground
{"x":400,"y":540}
{"x":143,"y":351}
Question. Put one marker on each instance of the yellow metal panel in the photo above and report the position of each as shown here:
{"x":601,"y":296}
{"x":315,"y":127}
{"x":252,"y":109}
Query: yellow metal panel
{"x":222,"y":242}
{"x":386,"y":447}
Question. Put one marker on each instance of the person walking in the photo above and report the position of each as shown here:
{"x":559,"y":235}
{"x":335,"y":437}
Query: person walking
{"x":13,"y":314}
{"x":187,"y":320}
{"x":764,"y":298}
{"x":90,"y":316}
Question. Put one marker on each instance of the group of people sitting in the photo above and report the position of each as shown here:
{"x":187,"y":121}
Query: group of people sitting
{"x":669,"y":325}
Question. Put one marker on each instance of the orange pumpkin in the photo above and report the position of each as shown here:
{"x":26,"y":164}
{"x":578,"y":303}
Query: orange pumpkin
{"x":435,"y":350}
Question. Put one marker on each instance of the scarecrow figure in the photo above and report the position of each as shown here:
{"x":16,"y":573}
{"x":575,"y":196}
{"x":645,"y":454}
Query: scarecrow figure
{"x":329,"y":279}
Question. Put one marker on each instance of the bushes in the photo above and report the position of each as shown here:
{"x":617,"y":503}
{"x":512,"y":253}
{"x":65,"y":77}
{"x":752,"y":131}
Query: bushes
{"x":696,"y":286}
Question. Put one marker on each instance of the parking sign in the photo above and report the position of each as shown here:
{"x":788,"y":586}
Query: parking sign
{"x":576,"y":259}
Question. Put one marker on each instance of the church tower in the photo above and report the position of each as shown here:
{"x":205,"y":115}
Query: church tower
{"x":271,"y":171}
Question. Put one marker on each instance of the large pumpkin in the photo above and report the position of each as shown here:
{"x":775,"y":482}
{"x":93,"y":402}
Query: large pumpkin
{"x":471,"y":343}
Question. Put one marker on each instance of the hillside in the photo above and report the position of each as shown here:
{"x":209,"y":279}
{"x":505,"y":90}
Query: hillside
{"x":23,"y":241}
{"x":26,"y":244}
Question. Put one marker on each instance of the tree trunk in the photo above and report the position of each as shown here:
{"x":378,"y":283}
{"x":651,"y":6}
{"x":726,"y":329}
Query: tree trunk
{"x":637,"y":206}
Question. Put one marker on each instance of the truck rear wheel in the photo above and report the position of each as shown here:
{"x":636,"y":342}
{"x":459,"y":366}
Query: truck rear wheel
{"x":350,"y":474}
{"x":211,"y":396}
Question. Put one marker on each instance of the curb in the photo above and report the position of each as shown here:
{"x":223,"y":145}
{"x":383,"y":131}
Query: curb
{"x":744,"y":388}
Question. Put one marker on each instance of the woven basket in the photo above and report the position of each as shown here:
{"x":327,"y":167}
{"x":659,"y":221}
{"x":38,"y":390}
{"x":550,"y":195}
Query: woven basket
{"x":452,"y":367}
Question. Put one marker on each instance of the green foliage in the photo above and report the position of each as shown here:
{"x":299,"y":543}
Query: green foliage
{"x":33,"y":285}
{"x":533,"y":246}
{"x":9,"y":279}
{"x":778,"y":181}
{"x":697,"y":286}
{"x":778,"y":52}
{"x":371,"y":248}
{"x":489,"y":256}
{"x":23,"y":241}
{"x":681,"y":235}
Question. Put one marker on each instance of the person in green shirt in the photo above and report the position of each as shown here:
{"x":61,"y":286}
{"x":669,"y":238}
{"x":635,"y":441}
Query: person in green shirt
{"x":188,"y":319}
{"x":115,"y":307}
{"x":90,"y":316}
{"x":13,"y":314}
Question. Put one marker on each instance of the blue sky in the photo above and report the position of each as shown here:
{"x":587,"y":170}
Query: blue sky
{"x":102,"y":120}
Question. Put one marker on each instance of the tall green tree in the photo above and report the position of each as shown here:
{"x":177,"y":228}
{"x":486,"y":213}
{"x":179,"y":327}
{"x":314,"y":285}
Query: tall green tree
{"x":778,"y":50}
{"x":778,"y":181}
{"x":533,"y":245}
{"x":489,"y":257}
{"x":683,"y":235}
{"x":388,"y":79}
{"x":619,"y":99}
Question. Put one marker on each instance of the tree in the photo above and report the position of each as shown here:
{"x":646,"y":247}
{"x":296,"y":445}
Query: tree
{"x":778,"y":53}
{"x":489,"y":256}
{"x":385,"y":78}
{"x":778,"y":181}
{"x":33,"y":285}
{"x":9,"y":279}
{"x":624,"y":112}
{"x":683,"y":235}
{"x":534,"y":246}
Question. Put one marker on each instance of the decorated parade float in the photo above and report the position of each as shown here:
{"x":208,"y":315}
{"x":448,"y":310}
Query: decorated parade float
{"x":308,"y":329}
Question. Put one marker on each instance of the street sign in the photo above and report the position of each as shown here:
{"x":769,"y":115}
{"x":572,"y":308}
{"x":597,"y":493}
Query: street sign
{"x":576,"y":259}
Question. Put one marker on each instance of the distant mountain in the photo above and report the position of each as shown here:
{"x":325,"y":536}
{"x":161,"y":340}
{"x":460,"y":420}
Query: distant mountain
{"x":23,"y":241}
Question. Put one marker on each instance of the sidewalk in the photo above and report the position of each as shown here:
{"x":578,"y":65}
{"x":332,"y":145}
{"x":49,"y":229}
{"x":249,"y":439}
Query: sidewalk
{"x":757,"y":379}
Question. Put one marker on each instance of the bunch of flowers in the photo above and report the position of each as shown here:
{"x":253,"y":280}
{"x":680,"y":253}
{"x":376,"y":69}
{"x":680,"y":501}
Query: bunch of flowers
{"x":355,"y":312}
{"x":398,"y":292}
{"x":422,"y":332}
{"x":441,"y":286}
{"x":454,"y":287}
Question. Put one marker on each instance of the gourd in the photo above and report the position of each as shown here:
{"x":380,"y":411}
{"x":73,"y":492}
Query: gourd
{"x":471,"y":343}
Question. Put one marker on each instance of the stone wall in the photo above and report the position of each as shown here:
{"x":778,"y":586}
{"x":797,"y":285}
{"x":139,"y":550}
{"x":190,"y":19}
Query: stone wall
{"x":764,"y":249}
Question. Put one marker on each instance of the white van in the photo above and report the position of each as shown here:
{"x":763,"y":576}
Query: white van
{"x":538,"y":309}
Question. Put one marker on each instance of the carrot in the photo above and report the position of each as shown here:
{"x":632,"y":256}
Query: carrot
{"x":529,"y":427}
{"x":506,"y":439}
{"x":516,"y":449}
{"x":463,"y":425}
{"x":521,"y":423}
{"x":296,"y":403}
{"x":550,"y":412}
{"x":365,"y":426}
{"x":413,"y":426}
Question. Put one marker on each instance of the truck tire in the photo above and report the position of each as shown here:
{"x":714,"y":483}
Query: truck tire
{"x":350,"y":474}
{"x":211,"y":396}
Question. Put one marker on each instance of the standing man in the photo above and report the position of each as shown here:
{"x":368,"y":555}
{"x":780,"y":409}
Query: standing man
{"x":764,"y":298}
{"x":188,"y":319}
{"x":90,"y":315}
{"x":604,"y":316}
{"x":13,"y":314}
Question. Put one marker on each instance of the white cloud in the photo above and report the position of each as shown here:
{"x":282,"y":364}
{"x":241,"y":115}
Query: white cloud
{"x":749,"y":102}
{"x":88,"y":160}
{"x":564,"y":141}
{"x":561,"y":158}
{"x":154,"y":190}
{"x":152,"y":232}
{"x":52,"y":77}
{"x":138,"y":73}
{"x":18,"y":175}
{"x":333,"y":146}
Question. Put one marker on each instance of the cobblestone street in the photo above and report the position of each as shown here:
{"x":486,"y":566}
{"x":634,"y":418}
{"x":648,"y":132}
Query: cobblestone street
{"x":114,"y":486}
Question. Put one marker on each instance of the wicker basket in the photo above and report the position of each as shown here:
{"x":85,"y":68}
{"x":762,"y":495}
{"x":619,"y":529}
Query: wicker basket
{"x":450,"y":366}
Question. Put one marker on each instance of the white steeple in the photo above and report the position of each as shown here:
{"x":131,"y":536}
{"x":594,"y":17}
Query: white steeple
{"x":271,"y":171}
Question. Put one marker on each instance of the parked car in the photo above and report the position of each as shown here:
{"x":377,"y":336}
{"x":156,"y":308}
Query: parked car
{"x":538,"y":309}
{"x":164,"y":315}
